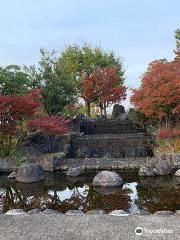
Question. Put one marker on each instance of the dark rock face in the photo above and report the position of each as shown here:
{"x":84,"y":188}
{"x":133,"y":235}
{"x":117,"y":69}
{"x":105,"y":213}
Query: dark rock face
{"x":74,"y":172}
{"x":87,"y":119}
{"x":107,"y":179}
{"x":123,"y":117}
{"x":37,"y":144}
{"x":117,"y":110}
{"x":29,"y":173}
{"x":155,"y":167}
{"x":83,"y":152}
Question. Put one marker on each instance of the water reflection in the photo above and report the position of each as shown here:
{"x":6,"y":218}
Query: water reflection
{"x":64,"y":193}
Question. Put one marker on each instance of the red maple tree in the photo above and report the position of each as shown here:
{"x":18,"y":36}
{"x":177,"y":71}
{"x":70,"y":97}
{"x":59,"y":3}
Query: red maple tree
{"x":159,"y":94}
{"x":18,"y":114}
{"x":104,"y":87}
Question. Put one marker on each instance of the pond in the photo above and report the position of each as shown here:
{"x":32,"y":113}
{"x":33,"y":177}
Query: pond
{"x":66,"y":193}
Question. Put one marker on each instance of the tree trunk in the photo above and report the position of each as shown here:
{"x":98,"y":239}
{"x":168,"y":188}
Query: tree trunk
{"x":88,"y":109}
{"x":105,"y":113}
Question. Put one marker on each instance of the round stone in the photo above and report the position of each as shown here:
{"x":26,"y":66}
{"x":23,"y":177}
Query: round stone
{"x":119,"y":213}
{"x":15,"y":212}
{"x":107,"y":179}
{"x":177,"y":173}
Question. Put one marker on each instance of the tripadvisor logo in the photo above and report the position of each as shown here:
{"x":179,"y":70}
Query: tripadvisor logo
{"x":138,"y":231}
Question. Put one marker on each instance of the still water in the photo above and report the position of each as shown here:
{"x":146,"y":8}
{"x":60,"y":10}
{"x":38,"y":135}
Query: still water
{"x":64,"y":193}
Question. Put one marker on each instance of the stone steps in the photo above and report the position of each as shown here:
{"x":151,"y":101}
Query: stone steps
{"x":124,"y":145}
{"x":110,"y":127}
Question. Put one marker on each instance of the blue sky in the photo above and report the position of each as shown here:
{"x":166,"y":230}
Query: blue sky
{"x":139,"y":30}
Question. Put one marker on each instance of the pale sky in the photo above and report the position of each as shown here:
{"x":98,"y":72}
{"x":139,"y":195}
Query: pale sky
{"x":139,"y":30}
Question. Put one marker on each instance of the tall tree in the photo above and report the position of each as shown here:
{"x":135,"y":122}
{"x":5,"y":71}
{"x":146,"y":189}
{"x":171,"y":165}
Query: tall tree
{"x":58,"y":88}
{"x":14,"y":81}
{"x":104,"y":87}
{"x":82,"y":61}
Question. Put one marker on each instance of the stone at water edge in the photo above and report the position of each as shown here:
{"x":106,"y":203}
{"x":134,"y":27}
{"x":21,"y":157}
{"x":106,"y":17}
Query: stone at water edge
{"x":164,"y":213}
{"x":96,"y":212}
{"x":107,"y":179}
{"x":74,"y":172}
{"x":155,"y":167}
{"x":119,"y":213}
{"x":30,"y":173}
{"x":51,"y":211}
{"x":15,"y":212}
{"x":34,"y":211}
{"x":74,"y":212}
{"x":177,"y":173}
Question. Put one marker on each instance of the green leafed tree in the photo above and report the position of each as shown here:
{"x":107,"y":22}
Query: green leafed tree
{"x":14,"y":81}
{"x":81,"y":61}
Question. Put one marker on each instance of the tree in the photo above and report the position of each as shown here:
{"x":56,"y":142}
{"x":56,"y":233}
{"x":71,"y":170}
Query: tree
{"x":58,"y":88}
{"x":18,"y":113}
{"x":105,"y":87}
{"x":159,"y":94}
{"x":13,"y":81}
{"x":79,"y":62}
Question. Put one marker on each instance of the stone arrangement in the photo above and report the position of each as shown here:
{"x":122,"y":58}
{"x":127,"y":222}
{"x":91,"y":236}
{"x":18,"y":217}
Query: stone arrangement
{"x":118,"y":212}
{"x":107,"y":179}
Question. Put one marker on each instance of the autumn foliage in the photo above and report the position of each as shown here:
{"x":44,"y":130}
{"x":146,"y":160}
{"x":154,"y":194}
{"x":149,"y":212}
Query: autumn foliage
{"x":159,"y":94}
{"x":104,"y":87}
{"x":19,"y":114}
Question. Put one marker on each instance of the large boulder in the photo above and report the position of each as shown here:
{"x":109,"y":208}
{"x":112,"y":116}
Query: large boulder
{"x":83,"y":152}
{"x":30,"y":173}
{"x":74,"y":172}
{"x":117,"y":111}
{"x":107,"y":179}
{"x":155,"y":167}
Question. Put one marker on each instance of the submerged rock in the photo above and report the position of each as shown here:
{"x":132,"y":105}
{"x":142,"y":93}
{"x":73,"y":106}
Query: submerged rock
{"x":30,"y":173}
{"x":74,"y":172}
{"x":107,"y":179}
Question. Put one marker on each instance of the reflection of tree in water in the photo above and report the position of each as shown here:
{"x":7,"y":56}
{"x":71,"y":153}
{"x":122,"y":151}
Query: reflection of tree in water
{"x":12,"y":197}
{"x":158,"y":197}
{"x":97,"y":200}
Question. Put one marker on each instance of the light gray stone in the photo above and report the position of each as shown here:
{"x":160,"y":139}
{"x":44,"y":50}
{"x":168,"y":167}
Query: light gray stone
{"x":74,"y":212}
{"x":177,"y":173}
{"x":177,"y":212}
{"x":164,"y":213}
{"x":15,"y":212}
{"x":51,"y":211}
{"x":12,"y":175}
{"x":119,"y":213}
{"x":107,"y":179}
{"x":30,"y":173}
{"x":140,"y":212}
{"x":74,"y":172}
{"x":34,"y":211}
{"x":96,"y":212}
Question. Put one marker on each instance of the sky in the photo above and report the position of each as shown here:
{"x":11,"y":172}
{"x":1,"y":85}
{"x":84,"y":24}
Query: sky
{"x":138,"y":30}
